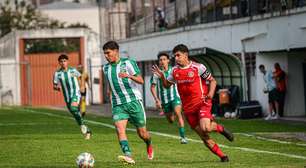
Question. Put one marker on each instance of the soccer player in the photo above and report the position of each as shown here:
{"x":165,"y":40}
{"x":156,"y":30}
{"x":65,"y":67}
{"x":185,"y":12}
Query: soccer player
{"x":66,"y":78}
{"x":196,"y":96}
{"x":170,"y":101}
{"x":123,"y":76}
{"x":84,"y":82}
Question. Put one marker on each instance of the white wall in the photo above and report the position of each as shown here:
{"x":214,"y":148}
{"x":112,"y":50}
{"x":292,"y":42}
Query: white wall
{"x":268,"y":60}
{"x":260,"y":33}
{"x":89,"y":16}
{"x":9,"y":81}
{"x":295,"y":95}
{"x":92,"y":51}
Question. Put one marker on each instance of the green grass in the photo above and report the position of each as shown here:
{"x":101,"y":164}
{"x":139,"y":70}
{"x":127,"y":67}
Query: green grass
{"x":33,"y":140}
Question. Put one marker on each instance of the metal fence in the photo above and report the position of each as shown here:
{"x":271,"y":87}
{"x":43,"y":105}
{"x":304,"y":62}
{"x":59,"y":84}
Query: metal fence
{"x":191,"y":12}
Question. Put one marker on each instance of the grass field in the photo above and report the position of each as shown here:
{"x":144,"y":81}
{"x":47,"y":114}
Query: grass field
{"x":34,"y":138}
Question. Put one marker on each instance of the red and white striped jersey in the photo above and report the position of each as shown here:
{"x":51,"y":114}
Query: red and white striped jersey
{"x":191,"y":84}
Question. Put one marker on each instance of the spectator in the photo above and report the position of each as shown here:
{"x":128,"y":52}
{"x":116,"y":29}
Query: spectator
{"x":281,"y":80}
{"x":272,"y":92}
{"x":161,"y":19}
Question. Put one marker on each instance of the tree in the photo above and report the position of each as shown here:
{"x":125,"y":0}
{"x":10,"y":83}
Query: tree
{"x":25,"y":17}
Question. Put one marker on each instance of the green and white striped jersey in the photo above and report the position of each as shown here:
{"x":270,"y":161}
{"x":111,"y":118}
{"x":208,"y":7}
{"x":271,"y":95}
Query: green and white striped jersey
{"x":166,"y":94}
{"x":124,"y":90}
{"x":69,"y":82}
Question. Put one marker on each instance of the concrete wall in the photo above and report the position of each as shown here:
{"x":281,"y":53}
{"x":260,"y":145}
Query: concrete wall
{"x":91,"y":52}
{"x":269,"y":35}
{"x":259,"y":33}
{"x":9,"y":82}
{"x":89,"y":16}
{"x":295,"y":96}
{"x":268,"y":60}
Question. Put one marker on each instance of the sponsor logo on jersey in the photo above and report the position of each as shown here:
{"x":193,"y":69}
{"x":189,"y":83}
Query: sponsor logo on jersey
{"x":190,"y":74}
{"x":185,"y":81}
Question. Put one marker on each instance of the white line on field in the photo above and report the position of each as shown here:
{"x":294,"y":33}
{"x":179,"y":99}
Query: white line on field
{"x":177,"y":137}
{"x":270,"y":139}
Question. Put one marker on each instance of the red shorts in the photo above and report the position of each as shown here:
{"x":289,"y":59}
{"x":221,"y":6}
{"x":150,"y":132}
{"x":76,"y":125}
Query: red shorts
{"x":203,"y":111}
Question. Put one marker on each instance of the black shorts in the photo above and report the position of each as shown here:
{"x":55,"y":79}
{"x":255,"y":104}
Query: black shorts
{"x":273,"y":95}
{"x":83,"y":94}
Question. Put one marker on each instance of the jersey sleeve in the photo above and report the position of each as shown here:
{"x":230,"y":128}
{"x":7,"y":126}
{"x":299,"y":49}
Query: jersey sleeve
{"x":154,"y":79}
{"x":133,"y":68}
{"x":170,"y":78}
{"x":77,"y":73}
{"x":203,"y":72}
{"x":55,"y":78}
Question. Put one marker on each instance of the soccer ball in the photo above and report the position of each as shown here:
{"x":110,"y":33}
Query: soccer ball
{"x":85,"y":160}
{"x":227,"y":115}
{"x":233,"y":115}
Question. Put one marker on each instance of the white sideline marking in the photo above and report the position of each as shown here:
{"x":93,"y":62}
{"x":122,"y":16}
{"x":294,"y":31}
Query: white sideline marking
{"x":177,"y":137}
{"x":270,"y":139}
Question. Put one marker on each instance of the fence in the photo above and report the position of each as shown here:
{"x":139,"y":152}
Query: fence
{"x":190,"y":12}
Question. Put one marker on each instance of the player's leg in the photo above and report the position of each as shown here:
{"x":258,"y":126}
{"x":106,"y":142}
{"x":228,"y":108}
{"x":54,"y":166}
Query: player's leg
{"x":120,"y":119}
{"x":75,"y":111}
{"x":207,"y":123}
{"x":178,"y":112}
{"x":168,"y":112}
{"x":210,"y":143}
{"x":83,"y":104}
{"x":138,"y":119}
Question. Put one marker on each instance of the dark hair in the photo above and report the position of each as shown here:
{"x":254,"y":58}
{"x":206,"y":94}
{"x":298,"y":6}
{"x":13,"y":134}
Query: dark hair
{"x":261,"y":66}
{"x":181,"y":48}
{"x":163,"y":54}
{"x":277,"y":65}
{"x":62,"y":56}
{"x":112,"y":45}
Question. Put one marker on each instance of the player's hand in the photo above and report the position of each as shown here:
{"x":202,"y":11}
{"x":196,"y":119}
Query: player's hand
{"x":123,"y":75}
{"x":158,"y":104}
{"x":56,"y":87}
{"x":207,"y":97}
{"x":157,"y":71}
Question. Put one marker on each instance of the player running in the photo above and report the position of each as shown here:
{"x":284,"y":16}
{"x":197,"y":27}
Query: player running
{"x":123,"y":76}
{"x":84,"y":82}
{"x":66,"y":78}
{"x":191,"y":78}
{"x":170,"y":101}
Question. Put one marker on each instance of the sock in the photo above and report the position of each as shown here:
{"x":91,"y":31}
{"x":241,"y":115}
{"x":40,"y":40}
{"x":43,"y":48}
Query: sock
{"x":216,"y":150}
{"x":125,"y":147}
{"x":182,"y":132}
{"x":76,"y":114}
{"x":148,"y":141}
{"x":219,"y":128}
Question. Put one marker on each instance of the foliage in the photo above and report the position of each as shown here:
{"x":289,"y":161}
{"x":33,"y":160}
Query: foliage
{"x":25,"y":16}
{"x":52,"y":45}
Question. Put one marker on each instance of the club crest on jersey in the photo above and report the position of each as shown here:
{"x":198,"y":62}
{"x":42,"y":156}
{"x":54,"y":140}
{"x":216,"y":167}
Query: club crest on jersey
{"x":190,"y":74}
{"x":177,"y":75}
{"x":73,"y":74}
{"x":123,"y":68}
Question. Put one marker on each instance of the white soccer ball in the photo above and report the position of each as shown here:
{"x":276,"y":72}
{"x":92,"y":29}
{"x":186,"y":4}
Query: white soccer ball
{"x":233,"y":115}
{"x":227,"y":115}
{"x":85,"y":160}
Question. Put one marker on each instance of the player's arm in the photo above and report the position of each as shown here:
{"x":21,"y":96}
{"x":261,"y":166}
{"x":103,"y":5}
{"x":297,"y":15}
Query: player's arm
{"x":56,"y":85}
{"x":132,"y":73}
{"x":212,"y":87}
{"x":153,"y":91}
{"x":157,"y":71}
{"x":206,"y":75}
